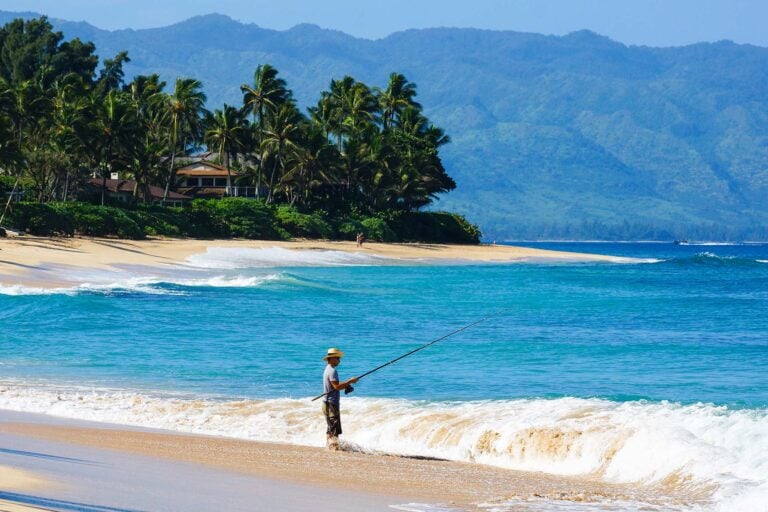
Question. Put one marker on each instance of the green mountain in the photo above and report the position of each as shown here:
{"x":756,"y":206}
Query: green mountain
{"x":552,"y":137}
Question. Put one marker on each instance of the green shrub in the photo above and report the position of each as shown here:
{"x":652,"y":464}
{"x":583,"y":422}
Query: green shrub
{"x":176,"y":222}
{"x":434,"y":227}
{"x":378,"y":230}
{"x":303,"y":225}
{"x":237,"y":217}
{"x":40,"y":219}
{"x":347,"y":229}
{"x":96,"y":220}
{"x":374,"y":228}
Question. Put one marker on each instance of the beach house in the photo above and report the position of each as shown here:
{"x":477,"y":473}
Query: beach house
{"x":206,"y":179}
{"x":122,"y":191}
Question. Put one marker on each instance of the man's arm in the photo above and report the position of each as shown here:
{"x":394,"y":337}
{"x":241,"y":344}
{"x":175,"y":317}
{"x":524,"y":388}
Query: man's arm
{"x":338,"y":386}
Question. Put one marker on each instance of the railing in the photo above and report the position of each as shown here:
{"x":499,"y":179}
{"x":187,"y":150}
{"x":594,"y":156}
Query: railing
{"x":244,"y":191}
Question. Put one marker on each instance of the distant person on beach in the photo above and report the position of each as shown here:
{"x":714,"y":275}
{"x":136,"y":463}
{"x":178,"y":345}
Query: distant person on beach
{"x":331,"y":388}
{"x":360,"y":239}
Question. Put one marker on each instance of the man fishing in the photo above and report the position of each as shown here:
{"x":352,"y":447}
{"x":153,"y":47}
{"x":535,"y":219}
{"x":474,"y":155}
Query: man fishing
{"x":331,"y":396}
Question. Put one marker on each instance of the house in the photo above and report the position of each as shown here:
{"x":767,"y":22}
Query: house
{"x":122,"y":190}
{"x":209,"y":180}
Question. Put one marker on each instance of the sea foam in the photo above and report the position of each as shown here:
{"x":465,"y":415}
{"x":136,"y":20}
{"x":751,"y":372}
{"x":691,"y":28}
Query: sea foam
{"x":694,"y":448}
{"x":150,"y":285}
{"x":233,"y":258}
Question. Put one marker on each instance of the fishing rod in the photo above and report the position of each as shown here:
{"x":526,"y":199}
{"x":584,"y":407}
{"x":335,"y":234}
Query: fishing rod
{"x":422,"y":347}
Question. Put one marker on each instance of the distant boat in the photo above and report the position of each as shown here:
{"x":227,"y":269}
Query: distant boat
{"x":681,"y":242}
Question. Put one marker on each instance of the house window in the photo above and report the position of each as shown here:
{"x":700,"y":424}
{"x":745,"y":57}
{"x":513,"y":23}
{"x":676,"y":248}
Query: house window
{"x":207,"y":182}
{"x":191,"y":182}
{"x":221,"y":182}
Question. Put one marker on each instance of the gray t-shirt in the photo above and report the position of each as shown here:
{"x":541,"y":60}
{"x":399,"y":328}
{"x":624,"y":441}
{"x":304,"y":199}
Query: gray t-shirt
{"x":330,"y":374}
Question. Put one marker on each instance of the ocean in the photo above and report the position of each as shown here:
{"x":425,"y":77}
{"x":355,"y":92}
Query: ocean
{"x":651,"y":371}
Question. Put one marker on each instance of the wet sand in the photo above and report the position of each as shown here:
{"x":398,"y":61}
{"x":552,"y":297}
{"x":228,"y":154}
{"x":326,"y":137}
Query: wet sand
{"x":13,"y":481}
{"x":393,"y":479}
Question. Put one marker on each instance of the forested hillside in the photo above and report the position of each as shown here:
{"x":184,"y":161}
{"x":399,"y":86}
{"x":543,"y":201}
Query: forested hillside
{"x":552,"y":137}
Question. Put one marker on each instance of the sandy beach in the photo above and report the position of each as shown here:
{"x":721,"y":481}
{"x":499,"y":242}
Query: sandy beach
{"x":78,"y":458}
{"x":42,"y":262}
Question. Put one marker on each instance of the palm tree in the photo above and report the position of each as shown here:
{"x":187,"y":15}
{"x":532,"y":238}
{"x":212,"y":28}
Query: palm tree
{"x":184,"y":108}
{"x":311,"y":165}
{"x":267,"y":93}
{"x":262,"y":99}
{"x":226,"y":130}
{"x":26,"y":100}
{"x":145,"y":159}
{"x":282,"y":132}
{"x":395,"y":99}
{"x":67,"y":123}
{"x":115,"y":131}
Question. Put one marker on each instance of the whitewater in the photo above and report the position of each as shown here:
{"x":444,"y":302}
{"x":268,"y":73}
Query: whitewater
{"x":650,"y":372}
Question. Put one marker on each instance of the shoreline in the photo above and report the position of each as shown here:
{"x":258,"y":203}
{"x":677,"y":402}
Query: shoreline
{"x":396,"y":479}
{"x":44,"y":262}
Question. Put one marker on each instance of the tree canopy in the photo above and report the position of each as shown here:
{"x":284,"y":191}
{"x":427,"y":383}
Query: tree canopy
{"x":361,"y":148}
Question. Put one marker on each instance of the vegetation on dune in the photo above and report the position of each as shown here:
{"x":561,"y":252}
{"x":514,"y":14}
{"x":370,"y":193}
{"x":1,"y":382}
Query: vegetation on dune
{"x":234,"y":218}
{"x":362,"y":157}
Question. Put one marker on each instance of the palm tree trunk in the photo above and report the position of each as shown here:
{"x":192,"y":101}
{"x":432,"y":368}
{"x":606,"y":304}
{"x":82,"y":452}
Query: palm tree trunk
{"x":173,"y":160}
{"x":272,"y":182}
{"x":8,"y":203}
{"x":170,"y":177}
{"x":66,"y":186}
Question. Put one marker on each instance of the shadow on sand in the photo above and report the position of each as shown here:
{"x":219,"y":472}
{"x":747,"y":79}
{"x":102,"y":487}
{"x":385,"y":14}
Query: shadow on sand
{"x":46,"y":456}
{"x":61,"y":505}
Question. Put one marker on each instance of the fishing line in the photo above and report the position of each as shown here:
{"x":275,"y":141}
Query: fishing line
{"x":422,"y":347}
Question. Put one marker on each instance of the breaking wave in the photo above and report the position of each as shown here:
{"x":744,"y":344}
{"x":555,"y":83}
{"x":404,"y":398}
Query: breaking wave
{"x":233,"y":258}
{"x":698,"y":448}
{"x":712,"y":259}
{"x":165,"y":285}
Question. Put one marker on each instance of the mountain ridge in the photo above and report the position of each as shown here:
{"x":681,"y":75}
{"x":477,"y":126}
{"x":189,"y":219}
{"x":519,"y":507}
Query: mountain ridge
{"x":553,"y":136}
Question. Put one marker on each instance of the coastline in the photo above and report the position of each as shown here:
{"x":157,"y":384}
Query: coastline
{"x":395,"y":480}
{"x":42,"y":262}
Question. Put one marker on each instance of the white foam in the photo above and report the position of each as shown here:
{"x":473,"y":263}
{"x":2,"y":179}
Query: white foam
{"x":17,"y":289}
{"x":628,"y":260}
{"x":640,"y":443}
{"x":222,"y":281}
{"x":132,"y":285}
{"x":150,"y":285}
{"x":233,"y":258}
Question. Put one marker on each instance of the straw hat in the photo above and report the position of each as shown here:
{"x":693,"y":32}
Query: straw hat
{"x":333,"y":352}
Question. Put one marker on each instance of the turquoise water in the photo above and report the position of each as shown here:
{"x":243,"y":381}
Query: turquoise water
{"x":678,"y":339}
{"x":690,"y":328}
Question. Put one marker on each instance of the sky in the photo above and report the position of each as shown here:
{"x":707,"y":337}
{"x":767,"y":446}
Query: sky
{"x":638,"y":22}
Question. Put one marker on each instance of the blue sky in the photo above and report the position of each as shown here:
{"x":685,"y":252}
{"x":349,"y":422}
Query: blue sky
{"x":649,"y":22}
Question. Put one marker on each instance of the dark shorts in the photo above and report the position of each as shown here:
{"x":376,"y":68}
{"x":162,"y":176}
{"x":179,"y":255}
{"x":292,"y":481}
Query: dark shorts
{"x":333,"y":418}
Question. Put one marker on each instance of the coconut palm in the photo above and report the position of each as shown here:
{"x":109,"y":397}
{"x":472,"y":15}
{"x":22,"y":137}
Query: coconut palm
{"x":310,"y":166}
{"x":145,"y":158}
{"x":267,"y":93}
{"x":262,"y":99}
{"x":184,"y":107}
{"x":226,"y":130}
{"x":281,"y":133}
{"x":114,"y":131}
{"x":395,"y":99}
{"x":68,"y":122}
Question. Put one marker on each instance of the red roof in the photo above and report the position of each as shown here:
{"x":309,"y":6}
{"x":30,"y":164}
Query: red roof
{"x":127,"y":186}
